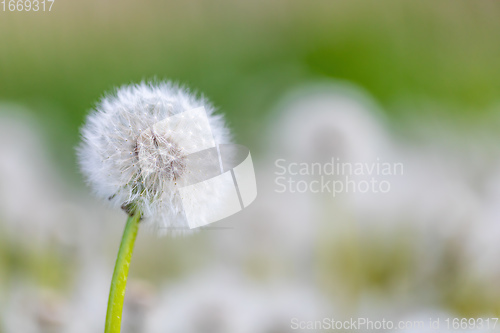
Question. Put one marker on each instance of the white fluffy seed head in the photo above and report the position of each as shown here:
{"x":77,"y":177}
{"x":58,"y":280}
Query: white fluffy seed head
{"x":134,"y":148}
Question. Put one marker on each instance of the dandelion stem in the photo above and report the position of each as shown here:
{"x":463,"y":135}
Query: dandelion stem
{"x":119,"y":281}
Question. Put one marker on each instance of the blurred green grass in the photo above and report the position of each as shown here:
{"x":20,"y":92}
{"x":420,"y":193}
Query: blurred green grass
{"x":245,"y":55}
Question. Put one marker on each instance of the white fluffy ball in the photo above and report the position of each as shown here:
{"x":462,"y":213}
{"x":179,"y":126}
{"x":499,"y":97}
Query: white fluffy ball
{"x":134,"y":148}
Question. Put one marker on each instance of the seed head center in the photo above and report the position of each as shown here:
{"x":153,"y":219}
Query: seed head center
{"x":159,"y":155}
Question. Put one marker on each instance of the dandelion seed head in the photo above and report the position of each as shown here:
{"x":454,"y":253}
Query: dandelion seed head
{"x":135,"y":143}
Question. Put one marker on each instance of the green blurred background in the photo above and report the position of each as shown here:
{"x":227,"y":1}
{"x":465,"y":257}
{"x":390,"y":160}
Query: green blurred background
{"x":242,"y":54}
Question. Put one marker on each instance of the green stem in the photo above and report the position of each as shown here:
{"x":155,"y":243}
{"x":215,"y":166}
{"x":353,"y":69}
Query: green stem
{"x":119,"y":281}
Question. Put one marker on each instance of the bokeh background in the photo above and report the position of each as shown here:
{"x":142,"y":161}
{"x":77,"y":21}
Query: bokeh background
{"x":414,"y":82}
